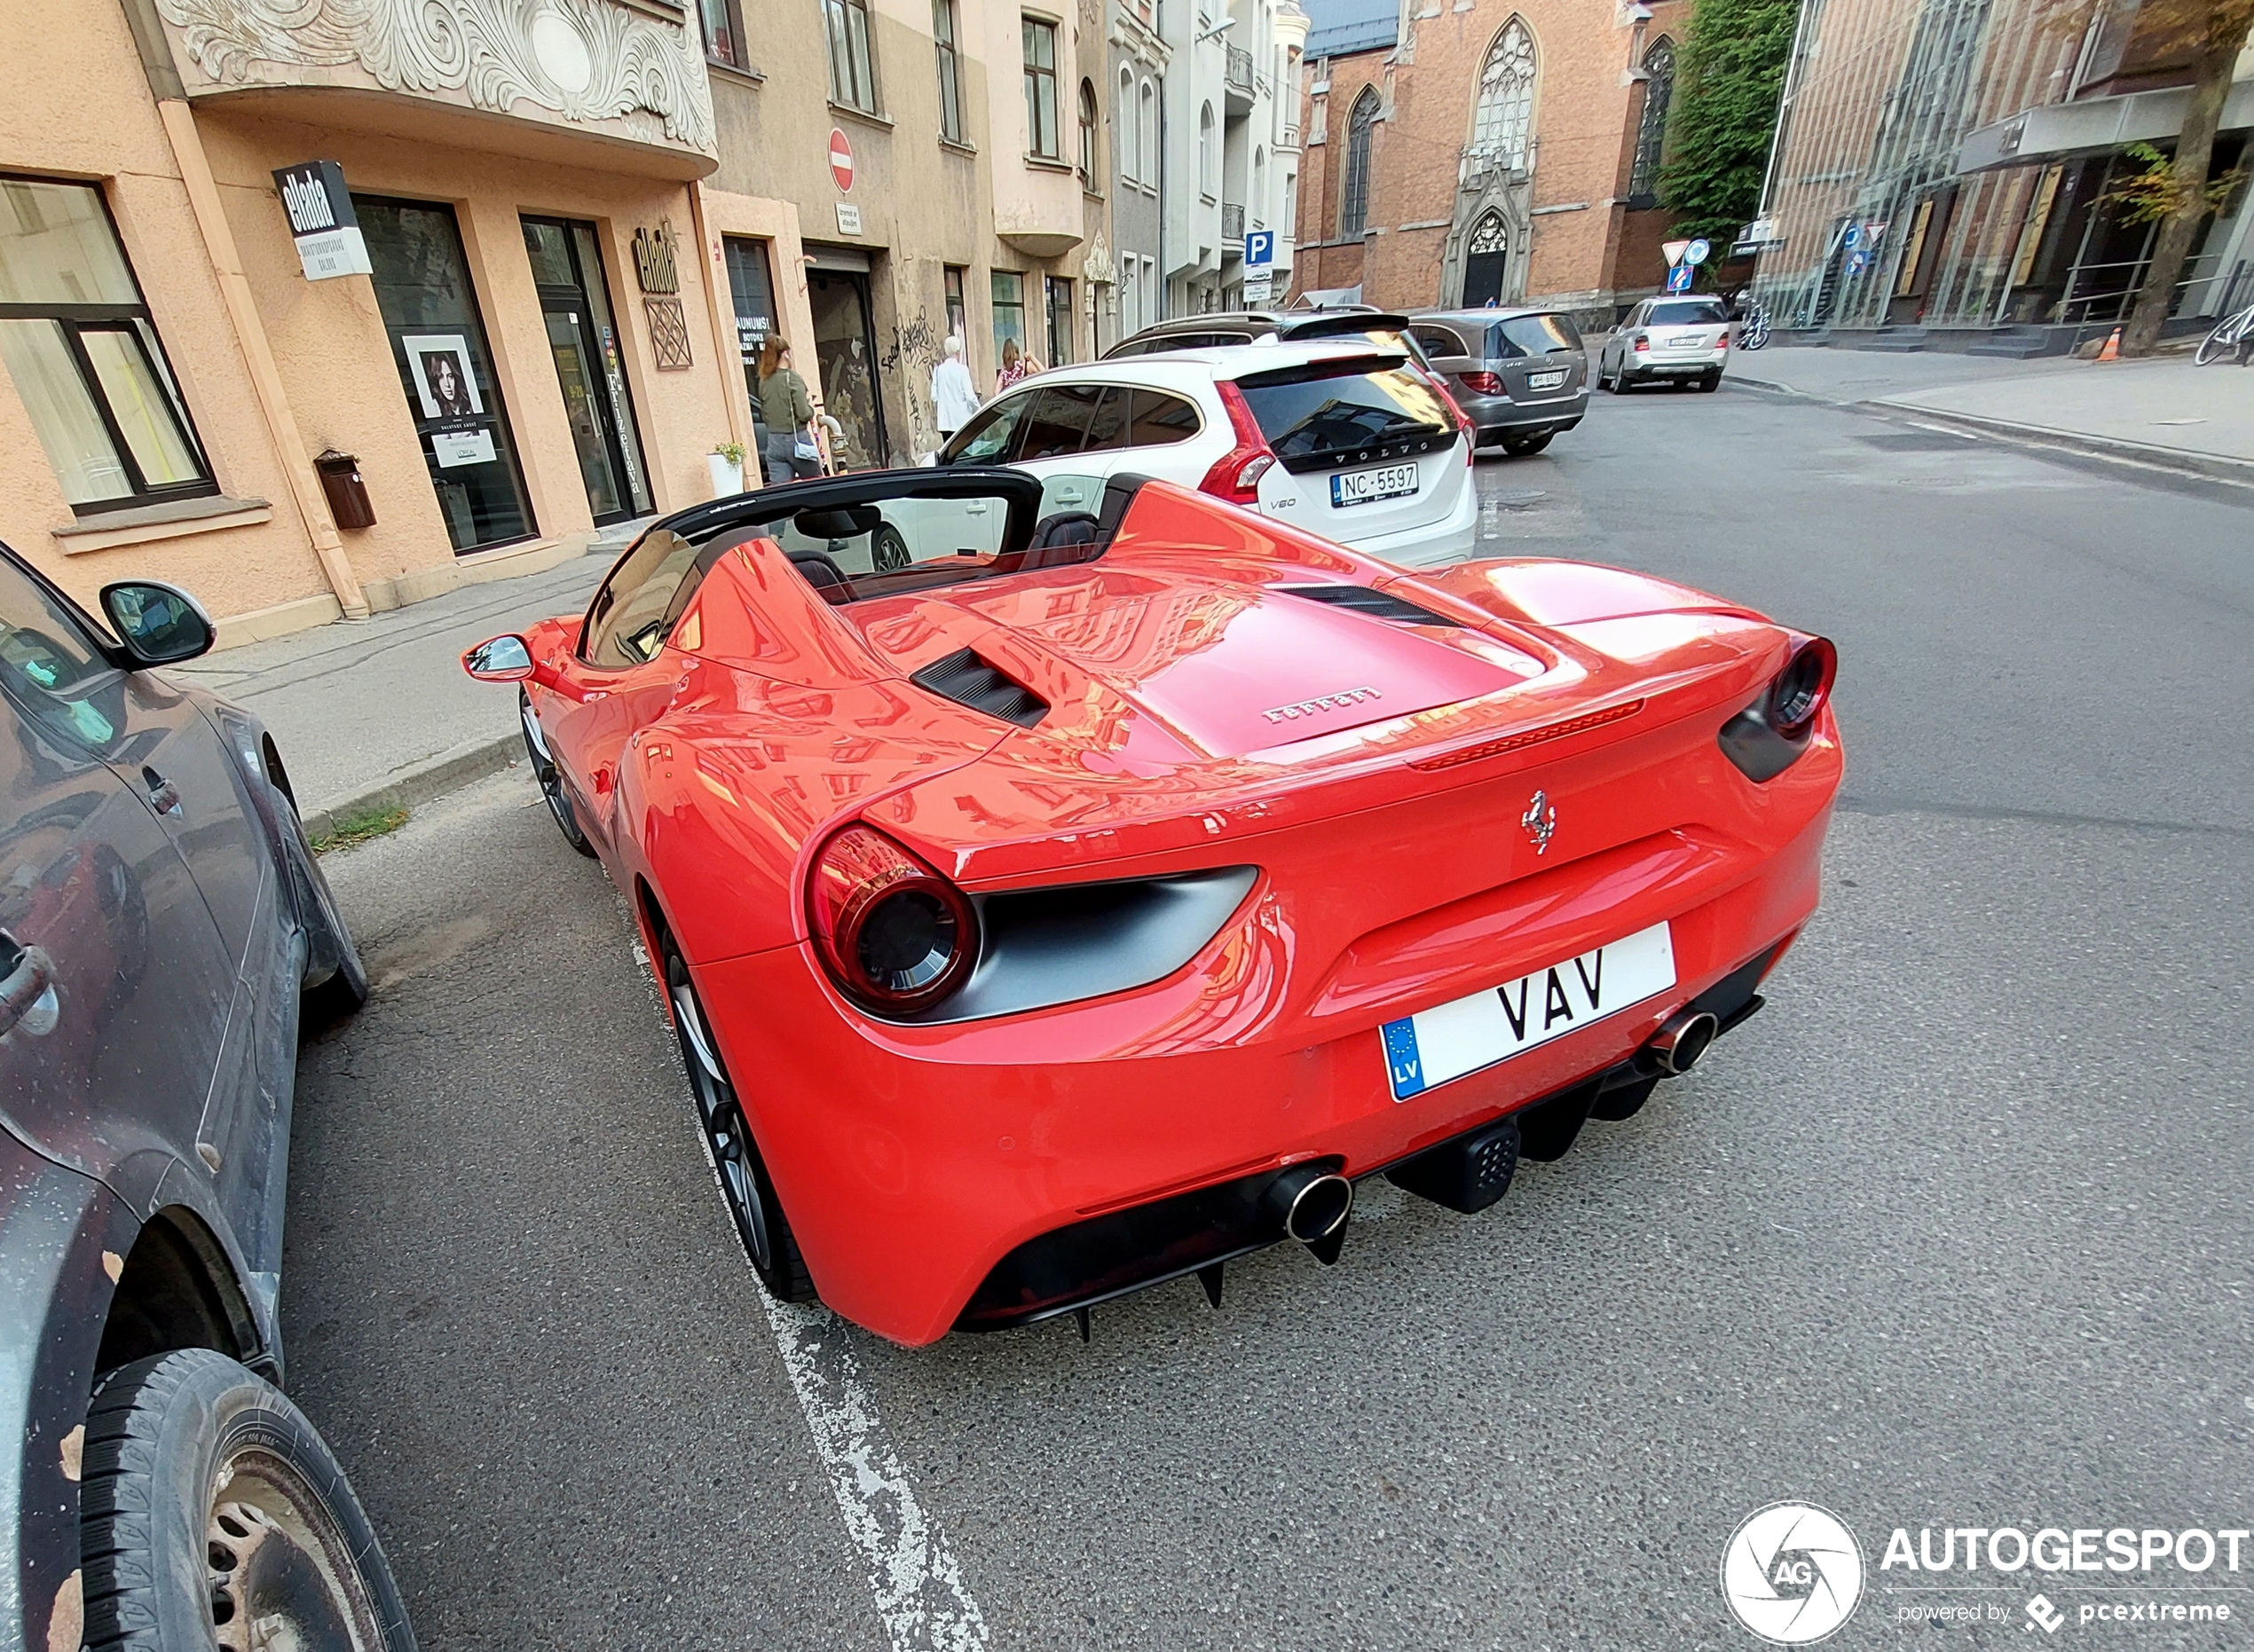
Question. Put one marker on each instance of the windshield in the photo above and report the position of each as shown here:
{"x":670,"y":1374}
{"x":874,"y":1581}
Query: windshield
{"x":1532,"y":335}
{"x":1687,"y":312}
{"x":1332,"y":411}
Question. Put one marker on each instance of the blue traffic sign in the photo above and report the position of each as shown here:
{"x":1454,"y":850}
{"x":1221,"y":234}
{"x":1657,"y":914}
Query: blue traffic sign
{"x":1679,"y":279}
{"x":1259,"y":249}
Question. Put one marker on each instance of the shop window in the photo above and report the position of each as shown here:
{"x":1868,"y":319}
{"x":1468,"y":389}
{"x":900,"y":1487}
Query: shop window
{"x":84,"y":355}
{"x":751,"y":283}
{"x":1354,"y":188}
{"x":959,"y":315}
{"x":1060,"y":320}
{"x":1088,"y":135}
{"x":853,"y":78}
{"x":1651,"y":128}
{"x":590,"y":365}
{"x":430,"y":313}
{"x":1041,"y":90}
{"x":724,"y":32}
{"x":950,"y":71}
{"x":1009,"y":310}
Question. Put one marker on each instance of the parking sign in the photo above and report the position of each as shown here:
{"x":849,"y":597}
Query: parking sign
{"x":1259,"y":249}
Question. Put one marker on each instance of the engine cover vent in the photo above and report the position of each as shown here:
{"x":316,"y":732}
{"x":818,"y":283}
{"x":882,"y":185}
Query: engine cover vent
{"x":1363,"y":599}
{"x":968,"y":680}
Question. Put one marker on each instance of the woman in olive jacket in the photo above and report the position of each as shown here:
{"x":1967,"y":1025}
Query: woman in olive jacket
{"x":783,"y":404}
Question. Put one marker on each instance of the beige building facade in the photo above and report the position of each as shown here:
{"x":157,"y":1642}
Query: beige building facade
{"x":530,"y":337}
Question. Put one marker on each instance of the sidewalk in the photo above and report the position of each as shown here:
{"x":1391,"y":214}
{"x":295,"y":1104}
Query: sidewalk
{"x":2166,"y":412}
{"x":375,"y":712}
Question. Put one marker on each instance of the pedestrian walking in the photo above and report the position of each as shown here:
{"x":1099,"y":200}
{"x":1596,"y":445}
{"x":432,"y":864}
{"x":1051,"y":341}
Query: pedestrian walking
{"x":954,"y":398}
{"x":785,"y":406}
{"x":1016,"y":365}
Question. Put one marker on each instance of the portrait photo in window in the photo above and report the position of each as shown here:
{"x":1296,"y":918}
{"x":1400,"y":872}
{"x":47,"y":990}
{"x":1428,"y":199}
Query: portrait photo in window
{"x":448,"y":389}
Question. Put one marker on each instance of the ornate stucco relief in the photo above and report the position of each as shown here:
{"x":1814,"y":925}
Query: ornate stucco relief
{"x":582,"y":59}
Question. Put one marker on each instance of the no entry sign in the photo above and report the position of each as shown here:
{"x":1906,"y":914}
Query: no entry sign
{"x":841,"y":160}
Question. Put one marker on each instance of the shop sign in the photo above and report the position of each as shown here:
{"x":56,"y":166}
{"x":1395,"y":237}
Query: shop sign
{"x":655,"y":266}
{"x":462,"y":447}
{"x":321,"y":220}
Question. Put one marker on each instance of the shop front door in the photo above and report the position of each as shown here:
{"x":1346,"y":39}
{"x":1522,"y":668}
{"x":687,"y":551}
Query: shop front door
{"x":583,"y":339}
{"x":845,"y":347}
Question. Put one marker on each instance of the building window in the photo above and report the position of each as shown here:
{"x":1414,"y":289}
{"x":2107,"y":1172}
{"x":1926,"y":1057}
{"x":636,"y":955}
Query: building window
{"x":1041,"y":90}
{"x":1060,"y":320}
{"x":1009,"y":310}
{"x":853,"y":80}
{"x":84,"y":355}
{"x":1504,"y":117}
{"x":1651,"y":129}
{"x":1258,"y":206}
{"x":950,"y":71}
{"x":723,"y":33}
{"x":1147,"y":136}
{"x":1088,"y":134}
{"x":1205,"y":151}
{"x":1353,"y":187}
{"x":1123,"y":112}
{"x":959,"y":315}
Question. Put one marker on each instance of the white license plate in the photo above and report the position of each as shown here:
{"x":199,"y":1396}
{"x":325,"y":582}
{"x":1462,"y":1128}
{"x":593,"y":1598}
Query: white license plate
{"x":1365,"y":486}
{"x":1435,"y":1045}
{"x":1545,"y":381}
{"x":1688,"y":340}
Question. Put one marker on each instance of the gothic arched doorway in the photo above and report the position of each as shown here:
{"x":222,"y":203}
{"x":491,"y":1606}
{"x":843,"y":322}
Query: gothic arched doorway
{"x":1485,"y":256}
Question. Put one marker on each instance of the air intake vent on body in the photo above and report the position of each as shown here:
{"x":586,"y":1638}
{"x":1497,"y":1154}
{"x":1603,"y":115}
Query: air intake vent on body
{"x":1363,"y":600}
{"x":969,"y":680}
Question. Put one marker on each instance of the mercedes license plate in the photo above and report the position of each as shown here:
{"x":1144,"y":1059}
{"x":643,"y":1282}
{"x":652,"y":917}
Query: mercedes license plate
{"x":1545,"y":381}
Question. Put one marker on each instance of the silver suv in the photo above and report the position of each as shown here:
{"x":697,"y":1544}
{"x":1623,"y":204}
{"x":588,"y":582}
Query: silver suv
{"x":1520,"y":376}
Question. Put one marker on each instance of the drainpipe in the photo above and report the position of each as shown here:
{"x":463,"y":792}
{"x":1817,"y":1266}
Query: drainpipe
{"x":720,"y":303}
{"x":259,"y":355}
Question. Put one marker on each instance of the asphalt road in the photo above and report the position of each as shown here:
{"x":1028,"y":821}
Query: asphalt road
{"x":1956,"y":1234}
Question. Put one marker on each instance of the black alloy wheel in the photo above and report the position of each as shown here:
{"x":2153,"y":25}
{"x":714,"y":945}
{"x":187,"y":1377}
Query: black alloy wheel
{"x":745,"y":1185}
{"x":213,"y":1514}
{"x":887,"y":551}
{"x":551,"y":779}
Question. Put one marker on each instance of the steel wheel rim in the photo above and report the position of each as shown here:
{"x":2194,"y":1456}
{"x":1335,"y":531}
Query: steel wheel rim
{"x":727,"y":1138}
{"x":278,"y":1573}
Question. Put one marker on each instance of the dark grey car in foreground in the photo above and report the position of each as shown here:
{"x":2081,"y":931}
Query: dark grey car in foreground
{"x":1520,"y":376}
{"x":163,"y":928}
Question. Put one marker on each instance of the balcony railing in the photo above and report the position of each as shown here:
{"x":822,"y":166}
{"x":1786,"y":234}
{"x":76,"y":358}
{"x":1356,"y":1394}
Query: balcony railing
{"x":1237,"y":75}
{"x":1232,"y":220}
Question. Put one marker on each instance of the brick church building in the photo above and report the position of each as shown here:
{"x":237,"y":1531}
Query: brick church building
{"x":1460,"y":151}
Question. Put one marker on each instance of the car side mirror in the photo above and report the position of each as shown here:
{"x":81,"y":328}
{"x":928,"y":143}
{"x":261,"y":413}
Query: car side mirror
{"x":500,"y":659}
{"x":160,"y":623}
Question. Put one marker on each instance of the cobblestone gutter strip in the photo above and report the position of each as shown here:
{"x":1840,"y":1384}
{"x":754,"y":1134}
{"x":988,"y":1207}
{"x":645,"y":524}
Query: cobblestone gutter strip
{"x":419,"y":783}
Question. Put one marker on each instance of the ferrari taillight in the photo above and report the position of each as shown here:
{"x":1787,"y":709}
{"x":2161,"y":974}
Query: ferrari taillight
{"x":895,"y":935}
{"x":1236,"y":475}
{"x":1801,"y":689}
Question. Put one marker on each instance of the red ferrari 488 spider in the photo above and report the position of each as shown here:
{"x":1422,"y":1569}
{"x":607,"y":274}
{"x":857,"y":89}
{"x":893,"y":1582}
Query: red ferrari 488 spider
{"x":1051,"y":900}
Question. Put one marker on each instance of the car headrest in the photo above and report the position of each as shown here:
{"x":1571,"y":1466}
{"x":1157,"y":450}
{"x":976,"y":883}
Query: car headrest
{"x":841,"y":522}
{"x":1065,"y":527}
{"x":817,"y":568}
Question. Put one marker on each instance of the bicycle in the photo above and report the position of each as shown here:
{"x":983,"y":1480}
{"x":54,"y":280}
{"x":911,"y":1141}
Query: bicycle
{"x":1753,"y":327}
{"x":2232,"y":333}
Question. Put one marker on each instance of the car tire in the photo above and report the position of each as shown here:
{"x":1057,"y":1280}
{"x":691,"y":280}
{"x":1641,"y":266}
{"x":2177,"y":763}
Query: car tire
{"x":551,"y":781}
{"x":211,"y":1512}
{"x":1710,"y":383}
{"x":344,"y":989}
{"x":887,"y":551}
{"x":1618,"y":386}
{"x":745,"y":1189}
{"x":1526,"y":446}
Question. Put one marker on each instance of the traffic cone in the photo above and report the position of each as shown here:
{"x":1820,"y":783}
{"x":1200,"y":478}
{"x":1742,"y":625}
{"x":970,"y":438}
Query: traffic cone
{"x":2112,"y":351}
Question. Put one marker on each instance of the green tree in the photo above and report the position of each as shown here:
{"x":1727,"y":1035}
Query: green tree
{"x":1730,"y":75}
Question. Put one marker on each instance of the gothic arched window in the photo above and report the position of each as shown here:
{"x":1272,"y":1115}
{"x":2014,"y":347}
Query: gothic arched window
{"x":1353,"y":187}
{"x":1504,"y":119}
{"x":1651,"y":130}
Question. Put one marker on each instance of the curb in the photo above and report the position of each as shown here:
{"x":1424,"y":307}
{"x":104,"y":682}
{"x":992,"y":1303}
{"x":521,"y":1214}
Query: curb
{"x":2206,"y":466}
{"x":2111,"y":449}
{"x":420,"y":783}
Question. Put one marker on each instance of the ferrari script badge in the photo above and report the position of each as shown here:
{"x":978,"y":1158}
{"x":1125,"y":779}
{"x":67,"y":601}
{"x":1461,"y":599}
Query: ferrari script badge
{"x":1540,"y":821}
{"x":1321,"y":702}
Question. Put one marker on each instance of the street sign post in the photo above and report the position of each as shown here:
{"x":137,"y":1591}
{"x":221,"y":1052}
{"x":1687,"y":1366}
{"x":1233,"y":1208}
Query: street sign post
{"x":1675,"y":251}
{"x":1259,"y":249}
{"x":1679,"y":279}
{"x":841,"y":161}
{"x":1695,"y":252}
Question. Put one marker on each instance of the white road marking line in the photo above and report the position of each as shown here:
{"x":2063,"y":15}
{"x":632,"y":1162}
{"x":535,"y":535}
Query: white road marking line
{"x":919,"y":1590}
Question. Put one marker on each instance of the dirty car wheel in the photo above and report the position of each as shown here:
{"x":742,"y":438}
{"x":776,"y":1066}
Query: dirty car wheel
{"x":744,"y":1186}
{"x":551,"y":778}
{"x":212,"y":1514}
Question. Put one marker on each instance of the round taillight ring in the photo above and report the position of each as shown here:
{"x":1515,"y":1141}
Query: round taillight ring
{"x":892,"y":934}
{"x":1801,"y":690}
